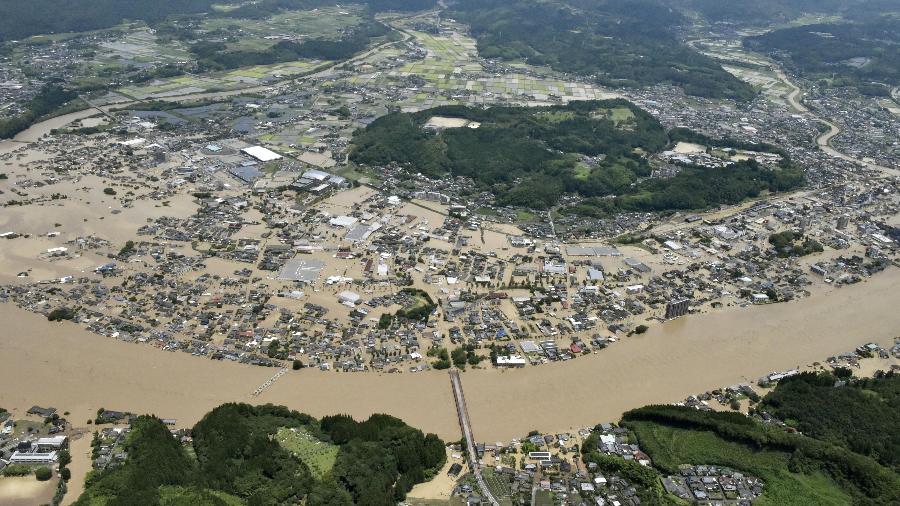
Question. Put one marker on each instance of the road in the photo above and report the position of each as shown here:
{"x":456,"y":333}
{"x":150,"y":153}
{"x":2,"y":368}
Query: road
{"x":466,"y":427}
{"x":824,"y":139}
{"x":324,"y":70}
{"x":37,"y":130}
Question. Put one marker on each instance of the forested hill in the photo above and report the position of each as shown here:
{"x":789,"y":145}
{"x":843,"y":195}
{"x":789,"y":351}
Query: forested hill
{"x":857,"y":52}
{"x":22,"y":19}
{"x":530,"y":157}
{"x":768,"y":12}
{"x":862,"y":415}
{"x":847,"y":452}
{"x":25,"y":18}
{"x":267,"y":456}
{"x":762,"y":11}
{"x":619,"y":42}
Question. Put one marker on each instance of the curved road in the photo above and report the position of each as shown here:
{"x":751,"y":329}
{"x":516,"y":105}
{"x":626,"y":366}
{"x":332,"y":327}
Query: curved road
{"x":824,"y":139}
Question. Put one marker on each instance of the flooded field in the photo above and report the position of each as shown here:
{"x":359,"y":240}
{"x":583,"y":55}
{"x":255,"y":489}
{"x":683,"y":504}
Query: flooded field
{"x":25,"y":491}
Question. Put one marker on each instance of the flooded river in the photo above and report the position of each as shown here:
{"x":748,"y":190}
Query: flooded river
{"x":69,"y":368}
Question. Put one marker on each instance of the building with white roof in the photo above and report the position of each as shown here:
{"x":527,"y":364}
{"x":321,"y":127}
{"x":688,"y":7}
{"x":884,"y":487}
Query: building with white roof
{"x":262,"y":154}
{"x":343,"y":221}
{"x":348,"y":297}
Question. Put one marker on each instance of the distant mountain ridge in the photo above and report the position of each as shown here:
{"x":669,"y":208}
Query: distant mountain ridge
{"x":26,"y":18}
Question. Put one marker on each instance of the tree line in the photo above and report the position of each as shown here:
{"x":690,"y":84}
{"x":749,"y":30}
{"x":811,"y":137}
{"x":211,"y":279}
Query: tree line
{"x":217,"y":56}
{"x":862,"y":415}
{"x":866,"y":480}
{"x":619,"y":43}
{"x":236,"y":459}
{"x":854,"y":54}
{"x":530,"y":157}
{"x":50,"y":99}
{"x":24,"y":19}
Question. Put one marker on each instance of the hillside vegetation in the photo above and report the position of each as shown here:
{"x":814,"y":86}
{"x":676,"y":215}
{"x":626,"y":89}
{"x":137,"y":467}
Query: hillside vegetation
{"x":530,"y":157}
{"x":768,"y":12}
{"x":863,"y":415}
{"x":248,"y":455}
{"x":842,"y":53}
{"x":23,"y":19}
{"x":619,"y":42}
{"x":51,"y":100}
{"x":846,"y":455}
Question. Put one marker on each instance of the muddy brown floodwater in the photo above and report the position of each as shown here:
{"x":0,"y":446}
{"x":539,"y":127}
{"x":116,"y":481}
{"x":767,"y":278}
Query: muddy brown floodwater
{"x":69,"y":368}
{"x":26,"y":491}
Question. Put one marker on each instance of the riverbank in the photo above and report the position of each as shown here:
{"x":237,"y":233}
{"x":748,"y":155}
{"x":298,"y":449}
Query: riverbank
{"x":74,"y":370}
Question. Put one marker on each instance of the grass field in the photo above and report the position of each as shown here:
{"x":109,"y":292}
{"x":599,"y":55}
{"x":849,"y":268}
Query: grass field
{"x":618,"y":115}
{"x":557,"y":116}
{"x":256,"y":34}
{"x":499,"y":486}
{"x":317,"y":455}
{"x":582,"y":171}
{"x":543,"y":498}
{"x":669,"y":447}
{"x":177,"y":495}
{"x":37,"y":428}
{"x":357,"y":173}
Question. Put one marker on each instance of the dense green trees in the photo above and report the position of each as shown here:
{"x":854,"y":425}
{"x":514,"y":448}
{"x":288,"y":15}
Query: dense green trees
{"x":863,"y":416}
{"x":790,"y":243}
{"x":50,"y":99}
{"x":530,"y":156}
{"x":459,"y":357}
{"x":733,"y":439}
{"x":22,"y":19}
{"x":854,"y":53}
{"x":61,"y":313}
{"x":381,"y":458}
{"x":525,"y":155}
{"x":420,"y":309}
{"x":43,"y":473}
{"x":443,"y":358}
{"x":237,"y":454}
{"x":619,"y":42}
{"x":155,"y":459}
{"x":16,"y":470}
{"x":238,"y":459}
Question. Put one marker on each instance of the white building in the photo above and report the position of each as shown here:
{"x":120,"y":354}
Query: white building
{"x":33,"y":457}
{"x":634,"y":289}
{"x":348,"y":297}
{"x":342,"y":221}
{"x":511,"y":361}
{"x":262,"y":154}
{"x":52,"y":443}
